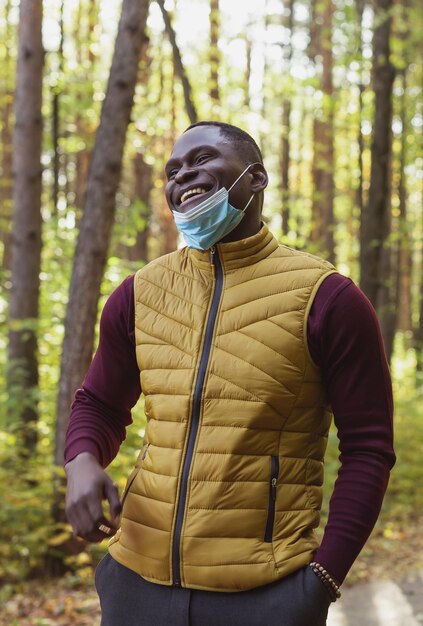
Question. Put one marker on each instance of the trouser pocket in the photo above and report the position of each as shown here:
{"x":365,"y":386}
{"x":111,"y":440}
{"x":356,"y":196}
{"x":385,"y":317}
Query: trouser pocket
{"x":99,"y":571}
{"x":271,"y":507}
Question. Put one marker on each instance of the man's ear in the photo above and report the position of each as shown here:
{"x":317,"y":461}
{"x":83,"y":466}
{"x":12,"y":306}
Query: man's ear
{"x":259,"y":177}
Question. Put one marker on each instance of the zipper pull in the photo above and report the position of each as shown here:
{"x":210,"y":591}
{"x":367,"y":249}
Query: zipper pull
{"x":274,"y":481}
{"x":212,"y":253}
{"x":144,"y":454}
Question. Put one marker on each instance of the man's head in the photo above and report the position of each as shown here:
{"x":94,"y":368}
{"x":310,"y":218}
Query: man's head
{"x":209,"y":156}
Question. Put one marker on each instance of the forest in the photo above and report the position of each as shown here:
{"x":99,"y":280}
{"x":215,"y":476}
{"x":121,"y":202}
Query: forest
{"x":93,"y":96}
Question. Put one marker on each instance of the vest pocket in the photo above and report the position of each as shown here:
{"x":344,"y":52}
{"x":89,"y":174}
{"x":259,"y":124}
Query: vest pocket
{"x":132,"y":476}
{"x":274,"y":472}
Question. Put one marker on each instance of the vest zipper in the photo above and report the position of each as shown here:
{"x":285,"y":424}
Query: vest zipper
{"x":274,"y":472}
{"x":195,"y":414}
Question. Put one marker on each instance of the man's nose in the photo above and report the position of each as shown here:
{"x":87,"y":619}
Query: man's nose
{"x":185,"y":173}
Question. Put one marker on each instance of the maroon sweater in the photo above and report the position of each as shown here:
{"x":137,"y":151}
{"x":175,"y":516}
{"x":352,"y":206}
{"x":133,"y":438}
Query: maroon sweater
{"x":345,"y":342}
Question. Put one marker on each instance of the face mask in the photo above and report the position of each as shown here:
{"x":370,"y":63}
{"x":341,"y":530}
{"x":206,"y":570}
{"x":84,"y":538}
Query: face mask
{"x":211,"y":220}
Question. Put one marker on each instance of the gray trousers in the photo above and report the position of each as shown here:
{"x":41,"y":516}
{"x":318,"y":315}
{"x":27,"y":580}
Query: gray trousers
{"x":128,"y":600}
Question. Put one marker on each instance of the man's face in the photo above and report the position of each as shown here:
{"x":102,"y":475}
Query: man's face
{"x":202,"y":161}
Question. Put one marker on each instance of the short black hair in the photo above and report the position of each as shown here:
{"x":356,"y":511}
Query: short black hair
{"x":248,"y":148}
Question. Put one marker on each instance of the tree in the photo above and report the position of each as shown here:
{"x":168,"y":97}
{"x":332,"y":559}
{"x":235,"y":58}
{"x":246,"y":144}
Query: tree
{"x":214,"y":55}
{"x":323,"y":158}
{"x":99,"y":211}
{"x":375,"y":263}
{"x":287,"y":21}
{"x":6,"y":144}
{"x":179,"y":66}
{"x":26,"y":227}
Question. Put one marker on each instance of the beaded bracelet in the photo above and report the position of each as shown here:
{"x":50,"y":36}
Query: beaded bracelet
{"x":329,"y":582}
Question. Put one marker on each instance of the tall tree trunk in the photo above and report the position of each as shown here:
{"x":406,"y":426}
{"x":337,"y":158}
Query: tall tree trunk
{"x":248,"y":56}
{"x":375,"y":265}
{"x":142,"y":191}
{"x":264,"y":85}
{"x":26,"y":229}
{"x":143,"y":180}
{"x":323,"y":143}
{"x":86,"y":58}
{"x":6,"y":143}
{"x":97,"y":222}
{"x":405,"y":259}
{"x":214,"y":56}
{"x":56,"y":118}
{"x":360,"y":142}
{"x":179,"y":66}
{"x":287,"y":22}
{"x":418,"y":329}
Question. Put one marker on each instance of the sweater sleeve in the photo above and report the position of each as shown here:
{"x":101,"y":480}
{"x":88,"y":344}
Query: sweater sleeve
{"x":102,"y":407}
{"x":345,"y":341}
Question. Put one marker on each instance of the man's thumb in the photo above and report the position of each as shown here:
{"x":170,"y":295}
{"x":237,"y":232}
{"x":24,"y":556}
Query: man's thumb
{"x":112,"y":496}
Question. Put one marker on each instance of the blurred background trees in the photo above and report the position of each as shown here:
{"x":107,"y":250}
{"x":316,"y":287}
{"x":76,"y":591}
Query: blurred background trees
{"x":88,"y":115}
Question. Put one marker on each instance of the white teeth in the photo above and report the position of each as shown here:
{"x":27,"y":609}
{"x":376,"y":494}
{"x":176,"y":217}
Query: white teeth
{"x":192,"y":192}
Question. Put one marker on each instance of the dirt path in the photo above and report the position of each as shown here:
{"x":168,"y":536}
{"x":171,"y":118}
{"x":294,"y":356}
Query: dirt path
{"x":385,"y":603}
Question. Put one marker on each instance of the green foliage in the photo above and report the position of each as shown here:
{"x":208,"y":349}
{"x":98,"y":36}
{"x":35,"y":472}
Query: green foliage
{"x":27,"y":532}
{"x":25,"y":518}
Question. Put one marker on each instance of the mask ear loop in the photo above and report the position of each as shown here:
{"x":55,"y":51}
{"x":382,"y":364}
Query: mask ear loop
{"x":240,"y":176}
{"x":248,"y":203}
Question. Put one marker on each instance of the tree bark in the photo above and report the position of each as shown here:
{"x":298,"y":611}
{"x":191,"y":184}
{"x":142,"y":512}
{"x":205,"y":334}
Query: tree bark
{"x":143,"y":181}
{"x":179,"y":66}
{"x":405,"y":258}
{"x":6,"y":142}
{"x":287,"y":22}
{"x":56,"y":119}
{"x":97,"y":222}
{"x":142,"y":191}
{"x":26,"y":228}
{"x":360,"y":142}
{"x":214,"y":56}
{"x":376,"y":278}
{"x":248,"y":56}
{"x":323,"y":157}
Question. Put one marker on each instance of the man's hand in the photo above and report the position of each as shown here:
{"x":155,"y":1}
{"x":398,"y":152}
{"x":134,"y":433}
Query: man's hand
{"x":88,"y":486}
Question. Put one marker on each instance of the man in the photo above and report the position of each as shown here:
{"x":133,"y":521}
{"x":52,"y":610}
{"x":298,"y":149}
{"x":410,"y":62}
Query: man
{"x":240,"y":346}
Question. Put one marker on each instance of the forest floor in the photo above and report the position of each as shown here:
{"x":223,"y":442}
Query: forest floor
{"x":72,"y":601}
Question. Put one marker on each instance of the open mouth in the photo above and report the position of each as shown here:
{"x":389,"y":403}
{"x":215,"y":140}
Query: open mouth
{"x":190,"y":194}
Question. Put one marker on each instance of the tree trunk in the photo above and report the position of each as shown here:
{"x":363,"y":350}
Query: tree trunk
{"x":86,"y":57}
{"x":6,"y":142}
{"x":248,"y":56}
{"x":56,"y":119}
{"x":26,"y":228}
{"x":405,"y":259}
{"x":375,"y":264}
{"x":214,"y":56}
{"x":97,"y":222}
{"x":287,"y":22}
{"x":264,"y":87}
{"x":360,"y":142}
{"x":418,"y":331}
{"x":323,"y":157}
{"x":179,"y":67}
{"x":143,"y":180}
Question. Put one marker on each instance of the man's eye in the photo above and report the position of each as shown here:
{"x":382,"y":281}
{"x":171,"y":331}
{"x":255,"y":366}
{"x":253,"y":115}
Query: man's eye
{"x":202,"y":157}
{"x":172,"y":173}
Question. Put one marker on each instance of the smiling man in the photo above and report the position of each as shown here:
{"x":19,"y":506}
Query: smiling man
{"x":242,"y":348}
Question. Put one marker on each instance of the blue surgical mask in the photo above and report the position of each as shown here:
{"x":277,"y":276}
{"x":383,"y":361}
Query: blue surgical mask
{"x":211,"y":220}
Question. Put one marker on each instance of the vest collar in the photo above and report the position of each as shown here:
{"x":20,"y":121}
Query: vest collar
{"x":240,"y":253}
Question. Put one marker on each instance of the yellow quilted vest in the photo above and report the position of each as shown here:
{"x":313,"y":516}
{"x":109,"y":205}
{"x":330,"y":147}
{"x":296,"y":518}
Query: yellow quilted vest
{"x":226,"y":491}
